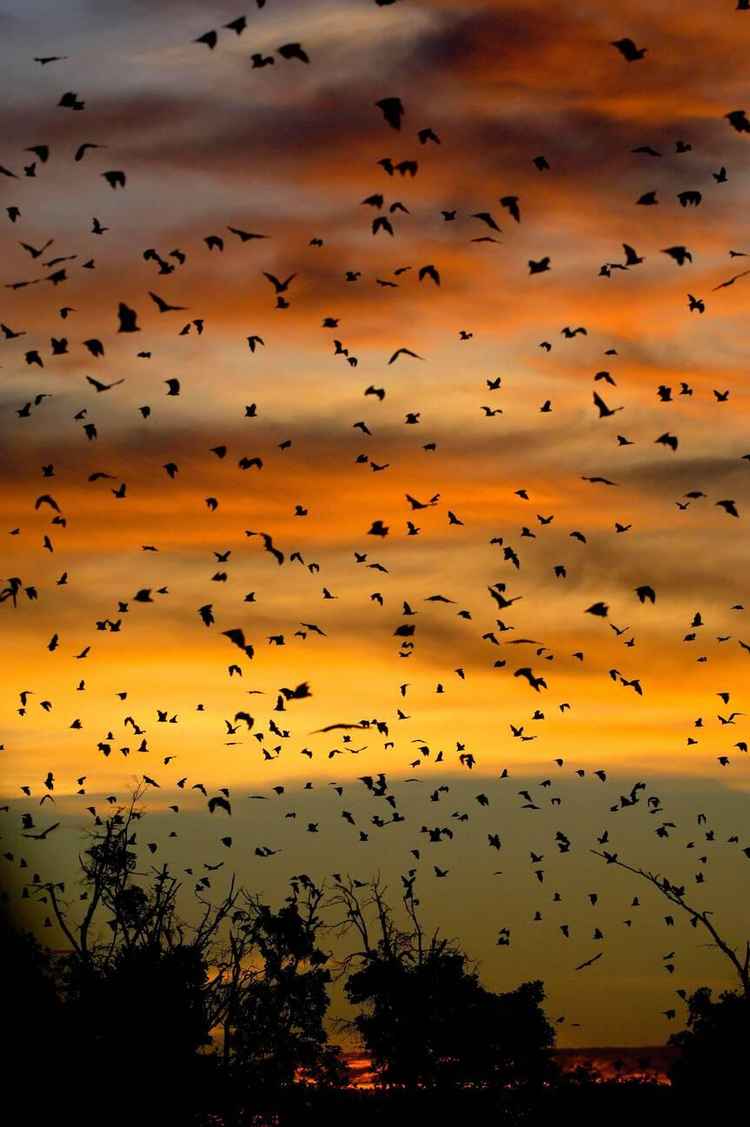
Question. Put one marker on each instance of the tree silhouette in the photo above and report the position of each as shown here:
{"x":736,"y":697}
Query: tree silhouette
{"x":276,"y":980}
{"x":134,"y":980}
{"x":139,"y":909}
{"x":713,"y":1048}
{"x":428,"y":1022}
{"x":224,"y":1020}
{"x":33,"y":1039}
{"x":142,"y":988}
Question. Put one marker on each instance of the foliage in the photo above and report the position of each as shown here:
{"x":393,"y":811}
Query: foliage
{"x":138,"y":996}
{"x":427,"y":1019}
{"x":276,"y":1020}
{"x":713,"y":1048}
{"x":433,"y":1024}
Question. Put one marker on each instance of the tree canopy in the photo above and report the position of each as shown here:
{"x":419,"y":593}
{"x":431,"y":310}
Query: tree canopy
{"x":426,"y":1019}
{"x":713,"y":1047}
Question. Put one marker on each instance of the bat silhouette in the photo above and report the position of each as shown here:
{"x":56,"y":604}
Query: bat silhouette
{"x":628,"y":49}
{"x":393,"y":111}
{"x":237,"y":638}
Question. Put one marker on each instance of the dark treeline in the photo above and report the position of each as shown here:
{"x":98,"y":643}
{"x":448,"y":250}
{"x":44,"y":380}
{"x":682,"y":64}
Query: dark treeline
{"x":143,"y":1018}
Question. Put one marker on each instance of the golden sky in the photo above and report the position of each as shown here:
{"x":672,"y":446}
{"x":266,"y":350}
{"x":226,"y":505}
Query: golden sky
{"x":289,"y":152}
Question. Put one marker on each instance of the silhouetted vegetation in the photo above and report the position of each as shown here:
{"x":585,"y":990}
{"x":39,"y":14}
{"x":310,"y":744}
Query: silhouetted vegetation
{"x":224,"y":1021}
{"x":427,"y":1020}
{"x":272,"y":986}
{"x":713,"y":1048}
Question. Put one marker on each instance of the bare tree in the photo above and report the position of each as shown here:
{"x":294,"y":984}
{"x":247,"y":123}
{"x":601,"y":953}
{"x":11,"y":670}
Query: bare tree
{"x":142,"y":907}
{"x":363,"y":909}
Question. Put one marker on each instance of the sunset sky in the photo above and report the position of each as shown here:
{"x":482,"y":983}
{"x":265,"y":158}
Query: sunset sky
{"x":289,"y":151}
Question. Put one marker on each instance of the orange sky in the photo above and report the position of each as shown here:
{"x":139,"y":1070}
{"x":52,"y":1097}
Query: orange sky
{"x":290,"y":151}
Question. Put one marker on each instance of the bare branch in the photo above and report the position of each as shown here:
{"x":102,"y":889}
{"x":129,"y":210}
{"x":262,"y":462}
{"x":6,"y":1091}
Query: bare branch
{"x":675,"y":894}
